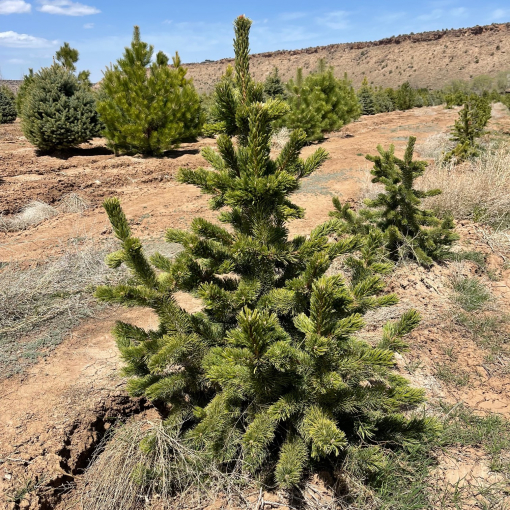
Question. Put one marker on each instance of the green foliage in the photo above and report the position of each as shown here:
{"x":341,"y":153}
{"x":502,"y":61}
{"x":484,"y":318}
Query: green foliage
{"x":67,"y":57}
{"x":270,"y":372}
{"x":408,"y":230}
{"x":23,"y":89}
{"x":470,"y":125}
{"x":320,"y":103}
{"x":7,"y":106}
{"x":405,"y":97}
{"x":147,"y":110}
{"x":57,"y":112}
{"x":274,"y":86}
{"x":366,"y":98}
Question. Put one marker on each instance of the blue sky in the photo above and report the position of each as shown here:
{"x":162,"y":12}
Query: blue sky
{"x":32,"y":30}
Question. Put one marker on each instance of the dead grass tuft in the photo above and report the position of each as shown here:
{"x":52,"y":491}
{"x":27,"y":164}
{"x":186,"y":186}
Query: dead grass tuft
{"x":39,"y":305}
{"x":142,"y":465}
{"x":435,"y":146}
{"x":476,"y":190}
{"x":33,"y":213}
{"x":73,"y":203}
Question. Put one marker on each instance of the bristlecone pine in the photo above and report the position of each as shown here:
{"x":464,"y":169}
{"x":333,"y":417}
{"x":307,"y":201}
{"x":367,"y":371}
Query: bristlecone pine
{"x":270,"y":372}
{"x":407,"y":229}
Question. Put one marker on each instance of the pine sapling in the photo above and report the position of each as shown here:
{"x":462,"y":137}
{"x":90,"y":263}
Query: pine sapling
{"x":408,"y":229}
{"x":270,"y":373}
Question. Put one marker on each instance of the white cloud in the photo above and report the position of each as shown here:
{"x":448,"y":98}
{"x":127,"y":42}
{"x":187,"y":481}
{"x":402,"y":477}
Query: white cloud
{"x":12,"y":39}
{"x":66,"y":8}
{"x":14,"y":7}
{"x":16,"y":61}
{"x":336,"y":20}
{"x":88,"y":25}
{"x":435,"y":14}
{"x":167,"y":22}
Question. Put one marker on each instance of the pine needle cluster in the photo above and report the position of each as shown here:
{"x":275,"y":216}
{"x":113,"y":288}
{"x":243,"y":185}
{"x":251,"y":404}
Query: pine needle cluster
{"x":271,"y":371}
{"x":408,"y":229}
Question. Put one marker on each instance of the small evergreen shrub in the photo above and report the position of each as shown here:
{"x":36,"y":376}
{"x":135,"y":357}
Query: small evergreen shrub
{"x":148,"y":110}
{"x":7,"y":106}
{"x":320,"y":103}
{"x":408,"y":230}
{"x":57,"y":112}
{"x":270,"y":372}
{"x":470,"y":126}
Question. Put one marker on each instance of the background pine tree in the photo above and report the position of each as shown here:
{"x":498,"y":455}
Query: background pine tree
{"x":8,"y":112}
{"x":470,"y":126}
{"x":67,"y":57}
{"x":366,"y":98}
{"x":57,"y":112}
{"x":405,"y":97}
{"x":320,"y":103}
{"x":408,"y":230}
{"x":148,"y":108}
{"x":23,"y":89}
{"x":274,"y":86}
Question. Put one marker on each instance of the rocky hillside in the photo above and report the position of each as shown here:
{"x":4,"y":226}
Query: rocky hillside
{"x":428,"y":59}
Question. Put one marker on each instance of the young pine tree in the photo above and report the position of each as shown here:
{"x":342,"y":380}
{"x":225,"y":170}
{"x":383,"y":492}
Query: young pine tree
{"x":269,"y":372}
{"x":408,"y":230}
{"x":7,"y":106}
{"x":147,"y":108}
{"x":405,"y":97}
{"x":366,"y":98}
{"x":320,"y":103}
{"x":274,"y":86}
{"x":57,"y":112}
{"x":470,"y":125}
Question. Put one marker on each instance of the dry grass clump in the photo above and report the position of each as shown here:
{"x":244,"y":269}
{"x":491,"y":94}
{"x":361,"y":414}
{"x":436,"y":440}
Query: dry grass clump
{"x":435,"y":146}
{"x":36,"y":212}
{"x":44,"y":302}
{"x":476,"y":190}
{"x":33,"y":213}
{"x":73,"y":203}
{"x":142,"y":465}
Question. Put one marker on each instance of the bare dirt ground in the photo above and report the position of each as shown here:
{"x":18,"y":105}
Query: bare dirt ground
{"x":55,"y":412}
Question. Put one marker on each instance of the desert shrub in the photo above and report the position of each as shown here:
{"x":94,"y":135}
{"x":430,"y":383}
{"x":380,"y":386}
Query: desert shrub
{"x":366,"y":98}
{"x":270,"y":372}
{"x":57,"y":112}
{"x":478,"y":190}
{"x":408,"y":230}
{"x":148,"y":110}
{"x":274,"y":86}
{"x":469,"y":127}
{"x":320,"y":103}
{"x":7,"y":106}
